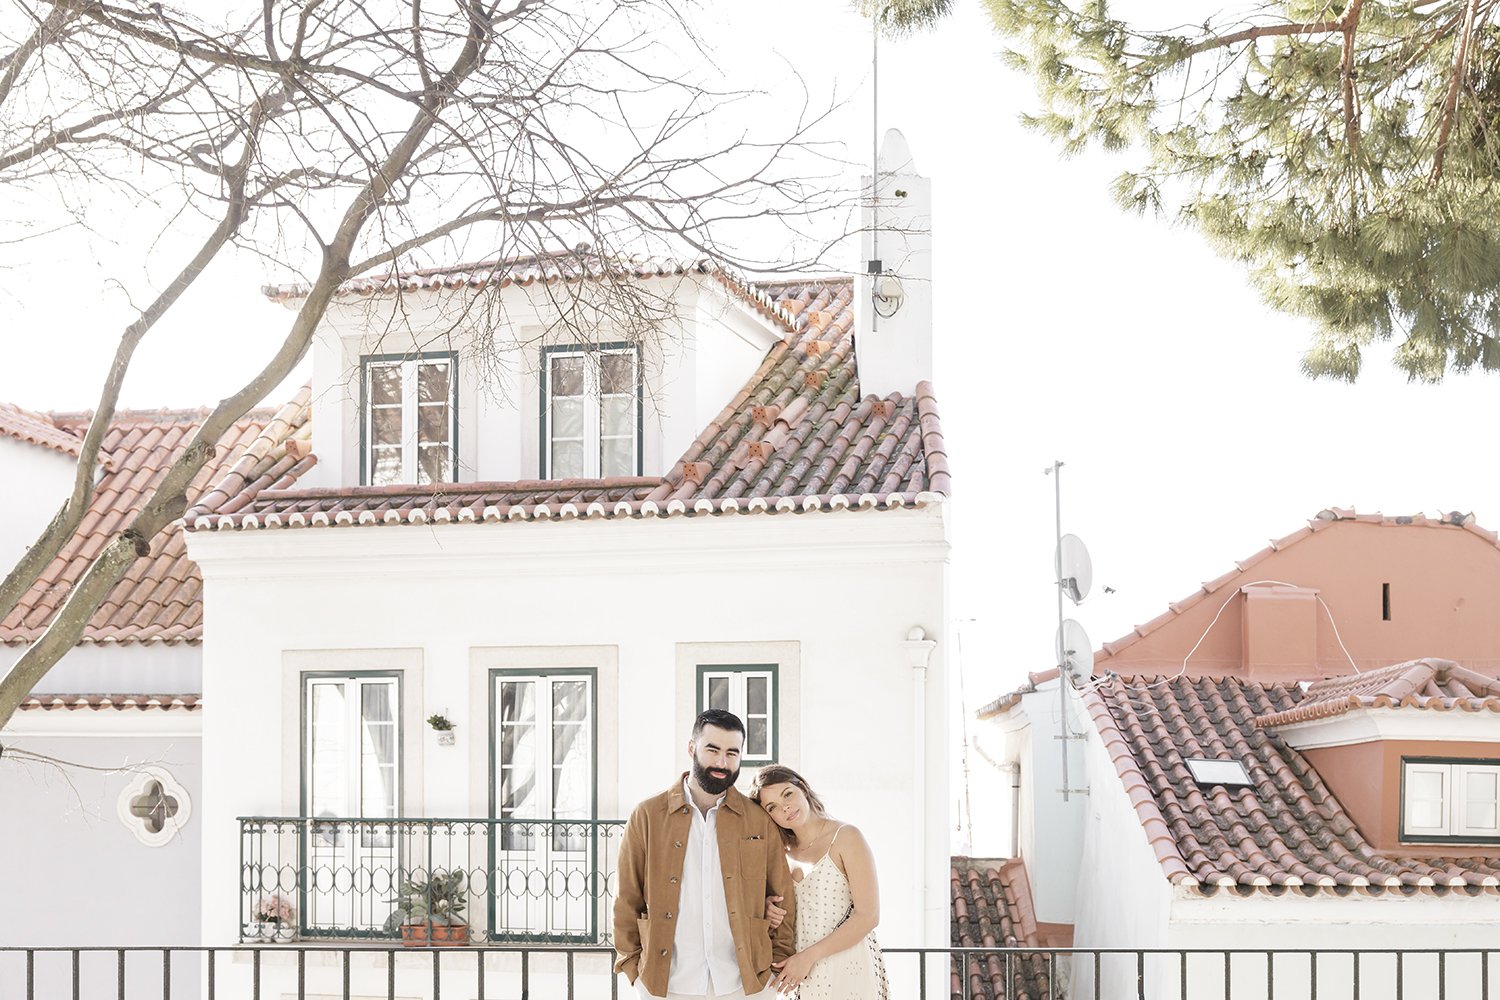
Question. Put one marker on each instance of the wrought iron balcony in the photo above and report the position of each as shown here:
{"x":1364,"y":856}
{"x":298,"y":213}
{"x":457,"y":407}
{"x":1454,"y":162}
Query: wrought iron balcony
{"x":503,"y":880}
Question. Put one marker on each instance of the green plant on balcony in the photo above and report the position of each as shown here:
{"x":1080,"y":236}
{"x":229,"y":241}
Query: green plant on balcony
{"x":427,"y":910}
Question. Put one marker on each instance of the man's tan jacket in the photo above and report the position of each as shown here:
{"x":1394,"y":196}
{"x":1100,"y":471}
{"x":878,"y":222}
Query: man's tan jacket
{"x":753,"y":863}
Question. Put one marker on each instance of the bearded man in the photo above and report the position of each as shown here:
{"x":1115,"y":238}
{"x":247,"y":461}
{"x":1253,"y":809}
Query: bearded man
{"x":697,"y":863}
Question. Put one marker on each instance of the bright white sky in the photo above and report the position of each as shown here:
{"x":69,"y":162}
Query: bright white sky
{"x":1064,"y":330}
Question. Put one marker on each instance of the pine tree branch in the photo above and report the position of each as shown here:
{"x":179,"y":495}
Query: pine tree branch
{"x":1261,"y":31}
{"x":1346,"y":77}
{"x":1455,"y":87}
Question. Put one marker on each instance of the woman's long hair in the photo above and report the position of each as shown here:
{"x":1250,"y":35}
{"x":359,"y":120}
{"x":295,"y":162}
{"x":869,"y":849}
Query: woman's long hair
{"x":779,"y":774}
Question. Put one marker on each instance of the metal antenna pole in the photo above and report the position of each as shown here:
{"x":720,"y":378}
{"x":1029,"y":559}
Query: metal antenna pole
{"x":1062,"y":658}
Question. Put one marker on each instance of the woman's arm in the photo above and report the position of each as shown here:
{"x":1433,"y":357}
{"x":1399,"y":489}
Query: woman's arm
{"x":852,"y":854}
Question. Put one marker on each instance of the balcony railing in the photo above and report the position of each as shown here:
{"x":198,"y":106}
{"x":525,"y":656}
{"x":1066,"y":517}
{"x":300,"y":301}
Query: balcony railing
{"x":516,"y":880}
{"x":268,"y":972}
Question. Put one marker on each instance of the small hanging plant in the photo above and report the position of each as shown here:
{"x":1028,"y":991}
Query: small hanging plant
{"x":440,"y":723}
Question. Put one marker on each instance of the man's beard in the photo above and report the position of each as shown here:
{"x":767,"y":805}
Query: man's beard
{"x":711,"y":784}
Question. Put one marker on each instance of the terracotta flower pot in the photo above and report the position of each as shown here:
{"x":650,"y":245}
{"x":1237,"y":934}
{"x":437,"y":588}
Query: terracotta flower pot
{"x":434,"y":935}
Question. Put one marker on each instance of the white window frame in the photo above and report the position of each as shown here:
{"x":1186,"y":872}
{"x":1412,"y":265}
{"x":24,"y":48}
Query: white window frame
{"x":738,"y":677}
{"x":1455,"y":776}
{"x":410,"y":409}
{"x":593,"y":444}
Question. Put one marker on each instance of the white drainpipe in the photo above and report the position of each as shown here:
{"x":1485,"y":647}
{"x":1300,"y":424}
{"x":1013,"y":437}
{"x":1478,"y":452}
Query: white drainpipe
{"x":918,"y":654}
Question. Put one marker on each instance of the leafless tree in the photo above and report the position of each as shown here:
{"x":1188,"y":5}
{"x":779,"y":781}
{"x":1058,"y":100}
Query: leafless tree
{"x":368,"y":136}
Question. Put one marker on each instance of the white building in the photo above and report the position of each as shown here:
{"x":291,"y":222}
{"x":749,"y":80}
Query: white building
{"x":566,"y":548}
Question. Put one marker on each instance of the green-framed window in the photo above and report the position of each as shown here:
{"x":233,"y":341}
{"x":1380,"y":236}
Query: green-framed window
{"x":408,"y":418}
{"x":591,"y":411}
{"x":351,"y":769}
{"x":749,"y":690}
{"x":1448,"y":800}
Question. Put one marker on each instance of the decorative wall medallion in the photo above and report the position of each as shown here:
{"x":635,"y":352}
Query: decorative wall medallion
{"x":154,"y":806}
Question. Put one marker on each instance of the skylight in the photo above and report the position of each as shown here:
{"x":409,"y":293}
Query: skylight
{"x":1230,"y":773}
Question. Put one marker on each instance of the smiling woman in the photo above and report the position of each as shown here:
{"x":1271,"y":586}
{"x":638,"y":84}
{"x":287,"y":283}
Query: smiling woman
{"x":838,"y":898}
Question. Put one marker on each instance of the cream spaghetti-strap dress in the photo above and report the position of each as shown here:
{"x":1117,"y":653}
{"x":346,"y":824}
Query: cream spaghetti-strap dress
{"x":823,"y":903}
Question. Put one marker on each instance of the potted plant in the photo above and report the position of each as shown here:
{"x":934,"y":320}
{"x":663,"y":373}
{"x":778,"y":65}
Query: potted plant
{"x":275,"y":918}
{"x":427,"y":910}
{"x":443,"y":727}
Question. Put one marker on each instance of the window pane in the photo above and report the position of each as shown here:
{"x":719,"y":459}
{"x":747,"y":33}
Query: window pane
{"x":567,"y":419}
{"x":567,"y":376}
{"x":329,"y":794}
{"x":757,"y":695}
{"x":434,"y":464}
{"x":617,"y":374}
{"x":385,"y":426}
{"x":1482,"y":810}
{"x":617,"y":457}
{"x":757,"y":737}
{"x":1425,"y":808}
{"x":385,"y":384}
{"x":567,"y":459}
{"x":432,"y":383}
{"x":616,"y":415}
{"x":378,"y":752}
{"x":386,"y":467}
{"x":718,"y":693}
{"x":433,"y":424}
{"x":572,"y":753}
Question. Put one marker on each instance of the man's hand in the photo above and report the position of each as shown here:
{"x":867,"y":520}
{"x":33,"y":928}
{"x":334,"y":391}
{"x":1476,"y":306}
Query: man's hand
{"x":774,"y":914}
{"x":793,"y":971}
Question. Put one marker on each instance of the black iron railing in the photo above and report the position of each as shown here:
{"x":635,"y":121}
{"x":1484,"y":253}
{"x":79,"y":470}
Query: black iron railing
{"x":493,"y":880}
{"x":304,"y":970}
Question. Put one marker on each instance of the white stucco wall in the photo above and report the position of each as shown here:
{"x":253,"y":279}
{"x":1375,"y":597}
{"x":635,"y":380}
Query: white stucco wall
{"x":831,"y":595}
{"x":1122,"y":896}
{"x":75,"y":875}
{"x":34,"y":481}
{"x":130,"y":668}
{"x":1051,"y":827}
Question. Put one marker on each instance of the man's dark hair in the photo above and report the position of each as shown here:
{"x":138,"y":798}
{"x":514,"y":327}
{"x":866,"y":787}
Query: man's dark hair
{"x":718,"y":717}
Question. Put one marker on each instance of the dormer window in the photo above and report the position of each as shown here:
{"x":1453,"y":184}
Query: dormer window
{"x":410,"y":414}
{"x":1450,"y":800}
{"x":591,"y":412}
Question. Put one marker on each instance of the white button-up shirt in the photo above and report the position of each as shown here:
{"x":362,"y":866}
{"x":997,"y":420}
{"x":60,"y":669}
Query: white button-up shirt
{"x":703,"y":952}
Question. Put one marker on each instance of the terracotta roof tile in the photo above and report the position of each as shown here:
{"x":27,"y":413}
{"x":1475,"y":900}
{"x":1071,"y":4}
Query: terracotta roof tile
{"x":783,"y":444}
{"x":118,"y":702}
{"x":38,"y":429}
{"x":159,"y":599}
{"x":1453,"y":520}
{"x":992,"y":909}
{"x":1006,"y":702}
{"x":565,"y":266}
{"x":1284,"y":832}
{"x":1437,"y":685}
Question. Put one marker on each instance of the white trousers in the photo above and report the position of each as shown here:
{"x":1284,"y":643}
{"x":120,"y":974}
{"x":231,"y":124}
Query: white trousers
{"x":765,"y":994}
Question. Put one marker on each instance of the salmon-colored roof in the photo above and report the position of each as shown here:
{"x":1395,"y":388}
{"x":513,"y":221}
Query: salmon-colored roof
{"x":1324,"y":519}
{"x":115,"y":702}
{"x":41,"y":429}
{"x":992,"y":909}
{"x":1438,"y":685}
{"x":796,"y":438}
{"x":160,"y":597}
{"x":1285,"y":832}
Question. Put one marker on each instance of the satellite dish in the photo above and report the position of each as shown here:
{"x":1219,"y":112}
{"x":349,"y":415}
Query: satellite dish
{"x":1075,"y":654}
{"x":1075,"y":570}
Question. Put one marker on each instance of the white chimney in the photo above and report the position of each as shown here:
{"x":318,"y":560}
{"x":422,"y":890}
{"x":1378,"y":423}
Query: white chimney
{"x":893,"y":289}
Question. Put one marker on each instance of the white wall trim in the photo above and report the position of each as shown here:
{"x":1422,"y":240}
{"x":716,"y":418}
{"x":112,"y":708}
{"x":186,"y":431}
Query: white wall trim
{"x":1370,"y":724}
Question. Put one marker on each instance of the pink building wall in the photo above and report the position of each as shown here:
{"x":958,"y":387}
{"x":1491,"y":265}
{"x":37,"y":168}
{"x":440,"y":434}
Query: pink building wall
{"x":1438,"y":581}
